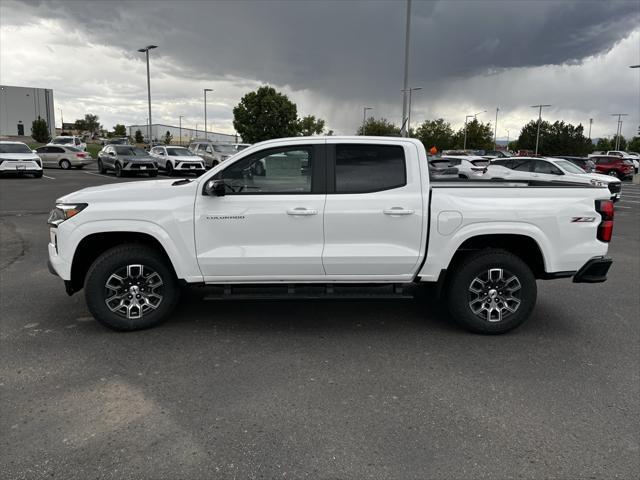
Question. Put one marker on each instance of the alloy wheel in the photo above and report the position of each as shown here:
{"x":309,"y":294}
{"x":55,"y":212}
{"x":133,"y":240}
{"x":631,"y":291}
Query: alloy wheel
{"x":133,"y":291}
{"x":494,"y":294}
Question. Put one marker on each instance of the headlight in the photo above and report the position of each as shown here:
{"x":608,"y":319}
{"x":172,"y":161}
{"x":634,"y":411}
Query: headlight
{"x":64,"y":211}
{"x":597,"y":183}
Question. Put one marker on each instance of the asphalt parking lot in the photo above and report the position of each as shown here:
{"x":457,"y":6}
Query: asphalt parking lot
{"x":327,"y":389}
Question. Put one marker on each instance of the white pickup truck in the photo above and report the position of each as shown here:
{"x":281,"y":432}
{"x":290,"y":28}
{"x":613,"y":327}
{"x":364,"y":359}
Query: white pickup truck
{"x":320,"y":213}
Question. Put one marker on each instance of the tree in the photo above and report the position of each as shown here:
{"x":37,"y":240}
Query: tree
{"x":558,"y":138}
{"x":435,"y":133}
{"x":40,"y":130}
{"x":603,"y":145}
{"x":80,"y":125}
{"x":379,"y":128}
{"x":479,"y":136}
{"x":139,"y":138}
{"x":310,"y":126}
{"x":265,"y":114}
{"x":168,"y":138}
{"x":513,"y":146}
{"x":634,"y":145}
{"x":119,"y":130}
{"x":621,"y":146}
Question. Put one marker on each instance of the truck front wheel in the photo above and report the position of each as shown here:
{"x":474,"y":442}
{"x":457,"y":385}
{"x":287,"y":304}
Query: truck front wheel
{"x":491,"y":292}
{"x":131,"y":287}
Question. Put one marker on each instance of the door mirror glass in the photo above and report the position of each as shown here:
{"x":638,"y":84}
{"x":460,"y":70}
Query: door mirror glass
{"x":214,"y":188}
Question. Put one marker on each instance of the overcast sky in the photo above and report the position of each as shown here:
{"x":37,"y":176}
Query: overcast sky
{"x":331,"y":58}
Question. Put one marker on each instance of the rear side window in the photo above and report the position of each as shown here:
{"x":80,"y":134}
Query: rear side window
{"x":369,"y":168}
{"x":521,"y":165}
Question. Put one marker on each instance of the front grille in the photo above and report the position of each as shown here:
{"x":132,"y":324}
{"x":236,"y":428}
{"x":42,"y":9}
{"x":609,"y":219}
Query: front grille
{"x":189,"y":165}
{"x":615,"y":187}
{"x":136,"y":166}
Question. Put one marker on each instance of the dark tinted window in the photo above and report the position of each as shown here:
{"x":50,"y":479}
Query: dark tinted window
{"x":502,"y":163}
{"x":14,"y":148}
{"x":58,"y":149}
{"x":540,"y":166}
{"x":369,"y":168}
{"x":521,"y":165}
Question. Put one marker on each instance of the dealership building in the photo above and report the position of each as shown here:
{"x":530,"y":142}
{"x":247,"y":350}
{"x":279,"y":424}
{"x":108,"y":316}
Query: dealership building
{"x":20,"y":106}
{"x":158,"y":131}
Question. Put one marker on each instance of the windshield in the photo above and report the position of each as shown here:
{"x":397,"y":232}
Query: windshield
{"x":132,"y":151}
{"x":569,"y":167}
{"x":64,"y":141}
{"x":179,"y":152}
{"x":14,"y":148}
{"x":73,"y":149}
{"x":227,"y":149}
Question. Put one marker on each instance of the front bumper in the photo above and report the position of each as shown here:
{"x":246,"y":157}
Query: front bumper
{"x":594,"y":271}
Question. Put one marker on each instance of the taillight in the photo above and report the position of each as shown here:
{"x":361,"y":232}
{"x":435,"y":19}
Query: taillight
{"x":605,"y":229}
{"x":81,"y":155}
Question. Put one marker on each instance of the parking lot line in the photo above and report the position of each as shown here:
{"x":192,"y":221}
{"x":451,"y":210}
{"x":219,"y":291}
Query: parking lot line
{"x":50,"y":178}
{"x":99,"y":175}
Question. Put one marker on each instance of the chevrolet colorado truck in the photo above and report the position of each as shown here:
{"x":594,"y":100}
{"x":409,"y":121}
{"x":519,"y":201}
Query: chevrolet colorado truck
{"x":320,"y":213}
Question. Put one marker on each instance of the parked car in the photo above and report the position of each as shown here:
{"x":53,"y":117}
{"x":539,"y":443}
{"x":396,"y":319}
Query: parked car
{"x":63,"y":157}
{"x":550,"y":170}
{"x":70,"y":141}
{"x":212,"y":153}
{"x":497,"y":154}
{"x":585,"y":163}
{"x":117,"y":141}
{"x":126,"y":159}
{"x":468,"y":166}
{"x":635,"y":158}
{"x":322,"y":226}
{"x":175,"y":159}
{"x":18,"y":159}
{"x":614,"y":166}
{"x":440,"y":169}
{"x":238,"y":147}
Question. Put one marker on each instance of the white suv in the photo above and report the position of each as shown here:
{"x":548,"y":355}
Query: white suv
{"x":18,"y":158}
{"x":175,"y":159}
{"x":71,"y":141}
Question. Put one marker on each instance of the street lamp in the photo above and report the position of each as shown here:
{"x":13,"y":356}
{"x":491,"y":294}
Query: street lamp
{"x":464,"y":147}
{"x":619,"y":129}
{"x":180,"y":121}
{"x":507,"y":139}
{"x":145,"y":50}
{"x":495,"y":131}
{"x":205,"y":111}
{"x":411,"y":90}
{"x":407,"y":38}
{"x":364,"y":117}
{"x":590,"y":123}
{"x":540,"y":107}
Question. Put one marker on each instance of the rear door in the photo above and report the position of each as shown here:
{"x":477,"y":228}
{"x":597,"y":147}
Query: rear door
{"x":45,"y":155}
{"x":373,"y":214}
{"x":268,"y":226}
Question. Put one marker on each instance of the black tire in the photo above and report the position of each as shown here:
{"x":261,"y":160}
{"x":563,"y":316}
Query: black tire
{"x":112,"y":262}
{"x":65,"y":164}
{"x":516,"y":298}
{"x":101,"y":168}
{"x":168,"y":168}
{"x":118,"y":168}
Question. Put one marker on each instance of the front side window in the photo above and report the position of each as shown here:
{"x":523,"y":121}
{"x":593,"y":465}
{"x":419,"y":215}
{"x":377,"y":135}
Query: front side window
{"x":179,"y":152}
{"x":521,"y":165}
{"x":369,"y":168}
{"x":540,"y":166}
{"x":63,"y":141}
{"x":278,"y":171}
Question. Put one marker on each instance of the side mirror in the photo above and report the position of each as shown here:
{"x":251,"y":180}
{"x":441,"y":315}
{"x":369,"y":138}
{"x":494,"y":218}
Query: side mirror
{"x":214,"y":188}
{"x":34,"y":151}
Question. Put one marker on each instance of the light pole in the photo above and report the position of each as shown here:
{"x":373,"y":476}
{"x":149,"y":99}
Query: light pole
{"x":205,"y":111}
{"x":404,"y":131}
{"x":61,"y":120}
{"x":145,"y":50}
{"x":196,"y":131}
{"x":540,"y":107}
{"x":464,"y":147}
{"x":507,"y":139}
{"x":180,"y":121}
{"x":364,"y":117}
{"x":495,"y":131}
{"x":411,"y":90}
{"x":590,"y":123}
{"x":619,"y":129}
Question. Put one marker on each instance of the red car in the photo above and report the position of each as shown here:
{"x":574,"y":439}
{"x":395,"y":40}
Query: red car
{"x":614,"y":166}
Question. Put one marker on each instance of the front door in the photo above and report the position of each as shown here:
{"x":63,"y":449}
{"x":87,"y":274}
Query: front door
{"x":374,"y":211}
{"x":269,"y":224}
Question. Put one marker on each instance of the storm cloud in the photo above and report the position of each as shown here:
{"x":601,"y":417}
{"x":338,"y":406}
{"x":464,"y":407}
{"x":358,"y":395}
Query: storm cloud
{"x":334,"y":56}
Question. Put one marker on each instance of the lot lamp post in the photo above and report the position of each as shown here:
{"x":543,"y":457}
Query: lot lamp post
{"x":364,"y":117}
{"x":411,"y":90}
{"x":619,"y":129}
{"x":205,"y":111}
{"x":540,"y":107}
{"x":180,"y":127}
{"x":475,"y":115}
{"x":145,"y":50}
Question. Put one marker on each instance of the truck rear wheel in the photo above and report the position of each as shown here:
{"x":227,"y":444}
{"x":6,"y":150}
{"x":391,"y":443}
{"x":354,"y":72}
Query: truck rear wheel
{"x":492,"y":292}
{"x":131,"y":287}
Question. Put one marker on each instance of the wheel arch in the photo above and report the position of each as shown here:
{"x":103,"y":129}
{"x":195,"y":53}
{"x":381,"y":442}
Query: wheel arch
{"x":95,"y":244}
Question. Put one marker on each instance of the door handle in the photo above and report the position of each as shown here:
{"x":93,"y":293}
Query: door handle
{"x":398,"y":211}
{"x":301,"y":211}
